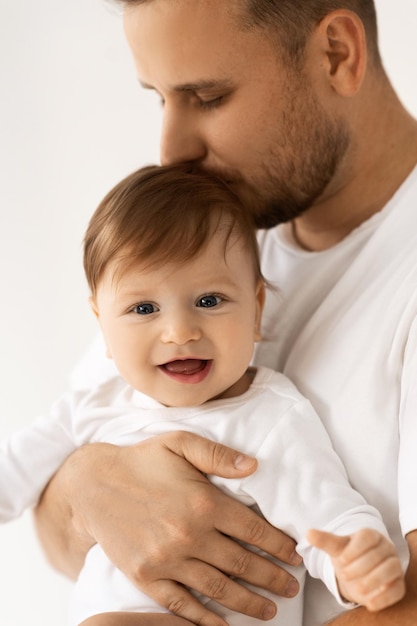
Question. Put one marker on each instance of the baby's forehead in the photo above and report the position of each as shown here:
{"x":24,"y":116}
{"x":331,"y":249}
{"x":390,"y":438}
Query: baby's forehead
{"x":211,"y":260}
{"x":169,"y":249}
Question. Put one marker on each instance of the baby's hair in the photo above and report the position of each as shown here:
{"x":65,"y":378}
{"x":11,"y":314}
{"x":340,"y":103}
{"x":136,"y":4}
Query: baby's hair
{"x":160,"y":215}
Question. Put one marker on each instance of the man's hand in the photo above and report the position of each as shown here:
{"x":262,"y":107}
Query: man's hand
{"x":166,"y":526}
{"x":366,"y":565}
{"x":135,"y":619}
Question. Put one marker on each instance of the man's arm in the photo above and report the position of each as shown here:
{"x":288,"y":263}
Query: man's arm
{"x":165,"y":525}
{"x":402,"y":614}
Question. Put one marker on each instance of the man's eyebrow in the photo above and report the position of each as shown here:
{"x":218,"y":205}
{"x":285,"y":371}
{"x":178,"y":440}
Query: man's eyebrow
{"x":198,"y":85}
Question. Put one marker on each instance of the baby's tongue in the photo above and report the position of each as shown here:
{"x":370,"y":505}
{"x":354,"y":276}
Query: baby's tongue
{"x":188,"y":366}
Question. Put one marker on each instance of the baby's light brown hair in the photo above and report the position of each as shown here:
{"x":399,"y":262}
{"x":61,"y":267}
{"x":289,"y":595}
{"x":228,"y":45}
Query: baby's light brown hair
{"x":160,"y":215}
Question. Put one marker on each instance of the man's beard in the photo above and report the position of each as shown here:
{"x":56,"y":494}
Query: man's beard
{"x":298,"y":170}
{"x":289,"y":203}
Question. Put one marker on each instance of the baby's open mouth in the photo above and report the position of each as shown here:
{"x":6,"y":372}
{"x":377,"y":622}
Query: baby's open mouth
{"x":189,"y":371}
{"x":186,"y":366}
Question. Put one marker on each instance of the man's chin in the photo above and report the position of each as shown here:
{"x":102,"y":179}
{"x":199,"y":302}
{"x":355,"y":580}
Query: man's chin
{"x":273,"y":215}
{"x":275,"y":212}
{"x":267,"y":213}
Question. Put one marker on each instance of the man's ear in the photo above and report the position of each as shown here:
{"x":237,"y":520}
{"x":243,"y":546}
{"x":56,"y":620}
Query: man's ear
{"x":342,"y":39}
{"x":260,"y":302}
{"x":94,"y":308}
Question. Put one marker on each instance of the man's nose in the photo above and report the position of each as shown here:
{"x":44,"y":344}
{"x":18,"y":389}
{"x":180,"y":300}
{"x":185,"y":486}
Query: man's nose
{"x":181,"y":139}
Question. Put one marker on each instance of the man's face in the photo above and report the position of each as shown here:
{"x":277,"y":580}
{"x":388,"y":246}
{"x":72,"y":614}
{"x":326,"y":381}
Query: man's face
{"x":232,"y":106}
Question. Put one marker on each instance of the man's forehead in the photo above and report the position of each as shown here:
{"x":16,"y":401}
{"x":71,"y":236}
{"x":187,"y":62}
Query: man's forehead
{"x":160,"y":11}
{"x":188,"y":43}
{"x":232,"y":5}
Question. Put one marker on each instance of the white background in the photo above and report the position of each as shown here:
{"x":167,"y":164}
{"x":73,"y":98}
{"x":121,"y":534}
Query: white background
{"x":73,"y":121}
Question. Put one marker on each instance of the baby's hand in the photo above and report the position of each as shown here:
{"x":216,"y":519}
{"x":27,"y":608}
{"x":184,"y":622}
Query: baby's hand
{"x":366,"y":565}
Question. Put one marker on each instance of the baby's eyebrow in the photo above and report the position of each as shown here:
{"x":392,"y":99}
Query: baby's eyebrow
{"x":135,"y":294}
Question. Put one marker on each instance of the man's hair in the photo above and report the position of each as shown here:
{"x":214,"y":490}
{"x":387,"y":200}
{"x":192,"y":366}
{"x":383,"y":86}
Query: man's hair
{"x":161,"y":215}
{"x":294,"y":20}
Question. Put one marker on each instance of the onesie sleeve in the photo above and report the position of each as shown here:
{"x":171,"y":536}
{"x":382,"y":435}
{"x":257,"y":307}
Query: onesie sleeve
{"x":301,"y":484}
{"x":30,"y":457}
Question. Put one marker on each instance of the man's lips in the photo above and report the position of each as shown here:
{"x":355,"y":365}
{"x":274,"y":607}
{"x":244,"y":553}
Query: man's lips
{"x":187,"y":370}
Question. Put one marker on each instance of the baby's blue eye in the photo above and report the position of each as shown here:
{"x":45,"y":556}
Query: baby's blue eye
{"x":146,"y":308}
{"x":208,"y":301}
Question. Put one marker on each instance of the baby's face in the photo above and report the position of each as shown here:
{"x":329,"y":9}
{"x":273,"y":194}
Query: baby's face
{"x":183,"y":334}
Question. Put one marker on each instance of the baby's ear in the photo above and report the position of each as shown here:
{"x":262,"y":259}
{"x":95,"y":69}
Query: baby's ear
{"x":94,"y":307}
{"x":260,"y":301}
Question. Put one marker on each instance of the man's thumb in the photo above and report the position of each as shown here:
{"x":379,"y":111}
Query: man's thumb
{"x":209,"y":456}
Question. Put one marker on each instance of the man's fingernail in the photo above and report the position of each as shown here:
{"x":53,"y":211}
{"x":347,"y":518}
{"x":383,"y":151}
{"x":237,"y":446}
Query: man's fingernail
{"x":269,"y":611}
{"x":292,"y":588}
{"x":243,"y":462}
{"x":296,"y":559}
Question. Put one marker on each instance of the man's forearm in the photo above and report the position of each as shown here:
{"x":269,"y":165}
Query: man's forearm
{"x":64,"y":547}
{"x":402,"y":614}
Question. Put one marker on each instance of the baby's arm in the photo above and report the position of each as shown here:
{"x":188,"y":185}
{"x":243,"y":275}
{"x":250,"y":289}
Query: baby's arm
{"x":30,"y":457}
{"x":366,"y":565}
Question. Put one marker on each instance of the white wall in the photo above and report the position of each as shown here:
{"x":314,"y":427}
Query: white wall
{"x":72,"y":122}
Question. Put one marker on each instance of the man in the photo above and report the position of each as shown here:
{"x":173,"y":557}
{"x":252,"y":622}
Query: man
{"x":288,"y":101}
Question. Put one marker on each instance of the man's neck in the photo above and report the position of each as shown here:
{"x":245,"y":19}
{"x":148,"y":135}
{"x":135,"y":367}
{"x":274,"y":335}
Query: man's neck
{"x":376,"y":167}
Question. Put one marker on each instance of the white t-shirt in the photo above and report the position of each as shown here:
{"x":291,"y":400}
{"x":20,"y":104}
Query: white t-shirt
{"x":343,"y":329}
{"x":300,"y":483}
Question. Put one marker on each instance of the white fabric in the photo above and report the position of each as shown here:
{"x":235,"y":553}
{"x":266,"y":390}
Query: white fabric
{"x":343,"y":328}
{"x":300,"y":483}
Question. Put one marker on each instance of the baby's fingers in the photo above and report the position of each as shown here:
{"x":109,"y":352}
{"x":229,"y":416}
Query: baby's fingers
{"x":382,"y":587}
{"x":367,"y":567}
{"x":334,"y":545}
{"x":362,"y":551}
